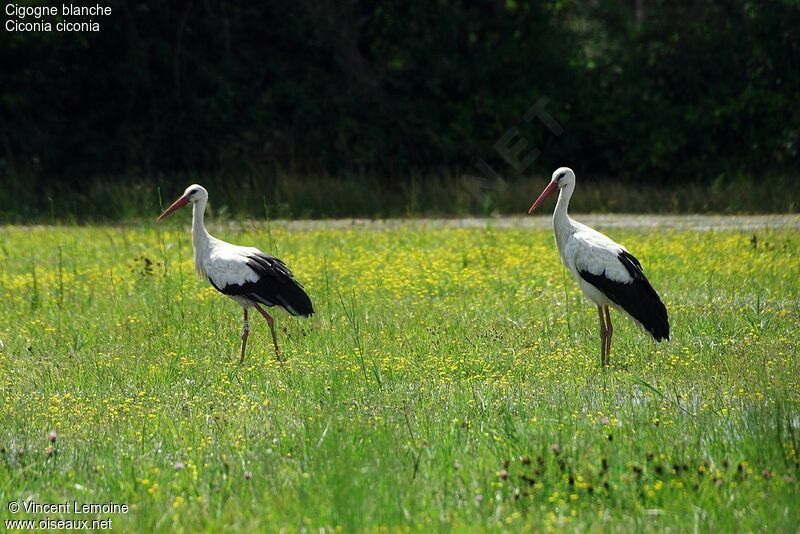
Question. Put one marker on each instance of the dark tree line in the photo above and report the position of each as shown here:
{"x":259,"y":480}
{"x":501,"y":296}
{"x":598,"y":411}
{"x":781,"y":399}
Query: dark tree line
{"x":644,"y":89}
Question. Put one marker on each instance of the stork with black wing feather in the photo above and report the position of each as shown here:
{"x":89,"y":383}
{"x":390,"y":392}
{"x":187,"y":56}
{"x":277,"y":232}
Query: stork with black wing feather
{"x":606,"y":272}
{"x":250,"y":277}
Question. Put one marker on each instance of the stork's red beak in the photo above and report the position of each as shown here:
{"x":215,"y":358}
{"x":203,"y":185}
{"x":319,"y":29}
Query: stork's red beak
{"x":181,"y":202}
{"x":549,"y":190}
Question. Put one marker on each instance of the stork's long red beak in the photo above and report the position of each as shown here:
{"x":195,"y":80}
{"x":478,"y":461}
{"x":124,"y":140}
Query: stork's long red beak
{"x":181,"y":202}
{"x":549,"y":190}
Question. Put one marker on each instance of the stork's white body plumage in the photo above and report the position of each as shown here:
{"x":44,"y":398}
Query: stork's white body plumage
{"x":221,"y":263}
{"x":607,"y":274}
{"x":224,"y":264}
{"x":245,"y":274}
{"x":583,"y":249}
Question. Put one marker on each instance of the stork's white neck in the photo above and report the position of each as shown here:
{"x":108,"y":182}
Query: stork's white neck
{"x":562,"y":224}
{"x":200,"y":236}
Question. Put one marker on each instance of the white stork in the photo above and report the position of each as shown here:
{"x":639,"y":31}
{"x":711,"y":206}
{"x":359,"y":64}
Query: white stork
{"x":606,"y":272}
{"x":244,"y":274}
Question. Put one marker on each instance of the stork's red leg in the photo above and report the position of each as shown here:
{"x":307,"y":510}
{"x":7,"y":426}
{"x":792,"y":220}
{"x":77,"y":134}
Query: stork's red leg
{"x":270,"y":322}
{"x":603,"y":333}
{"x":245,"y":333}
{"x":609,"y":331}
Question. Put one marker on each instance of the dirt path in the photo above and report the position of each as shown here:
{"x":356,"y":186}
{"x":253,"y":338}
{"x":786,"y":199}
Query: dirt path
{"x":679,"y":222}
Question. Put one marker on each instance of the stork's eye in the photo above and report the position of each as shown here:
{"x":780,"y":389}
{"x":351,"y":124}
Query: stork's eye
{"x":561,"y":175}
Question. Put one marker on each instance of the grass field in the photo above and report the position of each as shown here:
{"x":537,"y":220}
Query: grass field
{"x":296,"y":195}
{"x":449,"y":380}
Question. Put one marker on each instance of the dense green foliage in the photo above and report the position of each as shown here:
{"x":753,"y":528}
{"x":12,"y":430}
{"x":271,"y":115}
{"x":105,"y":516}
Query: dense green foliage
{"x":449,"y":380}
{"x":240,"y":89}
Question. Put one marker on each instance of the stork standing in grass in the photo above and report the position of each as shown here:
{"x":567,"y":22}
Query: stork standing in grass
{"x":606,"y":272}
{"x":245,"y":274}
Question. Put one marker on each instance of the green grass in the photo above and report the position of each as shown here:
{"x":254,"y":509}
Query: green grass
{"x":295,"y":195}
{"x":449,"y":380}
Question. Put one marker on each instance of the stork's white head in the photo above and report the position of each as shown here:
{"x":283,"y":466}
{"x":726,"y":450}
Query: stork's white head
{"x":562,"y":177}
{"x":197,"y":192}
{"x":194,"y":193}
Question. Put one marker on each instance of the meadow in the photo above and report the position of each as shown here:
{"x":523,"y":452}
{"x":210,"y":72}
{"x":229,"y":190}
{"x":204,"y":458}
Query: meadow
{"x":449,"y":380}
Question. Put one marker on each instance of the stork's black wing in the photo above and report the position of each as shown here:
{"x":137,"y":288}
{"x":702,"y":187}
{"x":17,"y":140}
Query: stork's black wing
{"x":637,"y":297}
{"x":275,"y":286}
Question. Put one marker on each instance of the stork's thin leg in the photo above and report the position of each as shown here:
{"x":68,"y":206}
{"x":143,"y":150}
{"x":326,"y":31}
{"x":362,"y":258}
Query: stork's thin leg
{"x":270,"y":322}
{"x":603,"y":333}
{"x":609,"y":331}
{"x":245,"y":333}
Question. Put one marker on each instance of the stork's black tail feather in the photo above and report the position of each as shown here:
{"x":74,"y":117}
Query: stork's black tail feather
{"x":277,"y":285}
{"x":652,"y":314}
{"x":295,"y":300}
{"x":637,"y":298}
{"x":647,"y":308}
